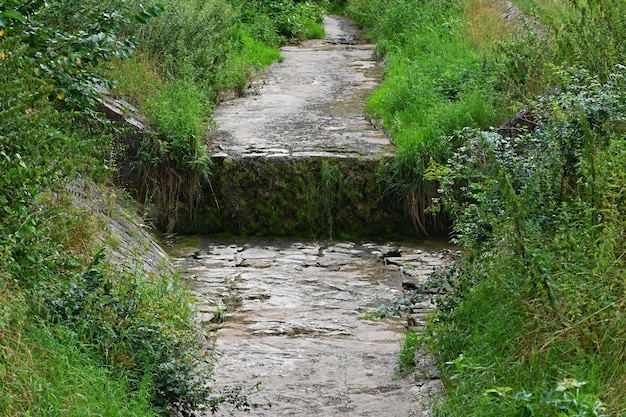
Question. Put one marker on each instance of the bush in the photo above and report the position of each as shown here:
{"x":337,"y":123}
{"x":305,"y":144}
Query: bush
{"x":140,"y":327}
{"x":539,"y":296}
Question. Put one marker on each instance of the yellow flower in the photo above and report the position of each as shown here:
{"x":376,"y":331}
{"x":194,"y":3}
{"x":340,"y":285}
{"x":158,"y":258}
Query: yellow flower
{"x":61,"y":95}
{"x":2,"y":32}
{"x":3,"y":55}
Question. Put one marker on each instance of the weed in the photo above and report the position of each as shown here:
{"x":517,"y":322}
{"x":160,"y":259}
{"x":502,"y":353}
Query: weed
{"x":313,"y":30}
{"x":324,"y":192}
{"x":406,"y":361}
{"x":567,"y":398}
{"x":424,"y":95}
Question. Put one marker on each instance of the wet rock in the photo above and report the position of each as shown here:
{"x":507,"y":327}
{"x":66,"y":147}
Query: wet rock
{"x":257,"y":253}
{"x":295,"y":327}
{"x":302,"y":112}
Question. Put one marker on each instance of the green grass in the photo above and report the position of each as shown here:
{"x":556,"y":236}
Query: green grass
{"x":406,"y":361}
{"x":435,"y":82}
{"x":313,"y":30}
{"x":259,"y":54}
{"x":52,"y":373}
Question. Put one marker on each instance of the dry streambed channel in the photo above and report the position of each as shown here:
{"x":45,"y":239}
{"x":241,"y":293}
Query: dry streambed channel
{"x":288,"y":316}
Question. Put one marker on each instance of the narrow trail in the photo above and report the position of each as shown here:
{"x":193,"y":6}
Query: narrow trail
{"x":289,"y":313}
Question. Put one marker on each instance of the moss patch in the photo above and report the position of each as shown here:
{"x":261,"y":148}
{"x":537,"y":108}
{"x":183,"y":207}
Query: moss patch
{"x":312,"y":197}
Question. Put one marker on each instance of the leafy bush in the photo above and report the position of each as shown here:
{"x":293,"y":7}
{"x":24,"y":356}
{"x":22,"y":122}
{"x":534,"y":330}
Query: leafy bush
{"x":545,"y":252}
{"x":288,"y":18}
{"x":138,"y":327}
{"x":41,"y":142}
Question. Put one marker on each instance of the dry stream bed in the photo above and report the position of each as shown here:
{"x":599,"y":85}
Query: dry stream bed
{"x":288,"y":315}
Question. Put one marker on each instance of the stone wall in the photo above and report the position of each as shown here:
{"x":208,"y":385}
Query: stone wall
{"x":313,"y":196}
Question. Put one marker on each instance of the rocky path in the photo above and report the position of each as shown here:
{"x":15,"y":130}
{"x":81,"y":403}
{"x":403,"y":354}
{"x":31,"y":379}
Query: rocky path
{"x":311,"y":104}
{"x":288,"y":315}
{"x":289,"y":318}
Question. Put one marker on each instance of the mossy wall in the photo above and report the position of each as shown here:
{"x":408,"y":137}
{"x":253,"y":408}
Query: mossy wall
{"x":312,"y":197}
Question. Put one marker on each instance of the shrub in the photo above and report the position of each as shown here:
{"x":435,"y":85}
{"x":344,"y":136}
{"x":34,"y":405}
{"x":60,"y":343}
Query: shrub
{"x":544,"y":264}
{"x":140,"y":327}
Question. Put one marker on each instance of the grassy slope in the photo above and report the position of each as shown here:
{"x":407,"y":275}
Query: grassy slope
{"x":539,"y":301}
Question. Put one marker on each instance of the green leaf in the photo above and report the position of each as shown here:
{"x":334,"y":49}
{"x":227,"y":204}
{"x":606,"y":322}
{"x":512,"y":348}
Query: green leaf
{"x":149,"y":13}
{"x":14,"y":14}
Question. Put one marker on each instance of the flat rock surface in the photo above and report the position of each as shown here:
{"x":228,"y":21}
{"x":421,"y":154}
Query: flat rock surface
{"x":289,"y":316}
{"x":310,"y":104}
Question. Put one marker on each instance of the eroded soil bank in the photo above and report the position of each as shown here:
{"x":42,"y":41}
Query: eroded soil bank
{"x":289,"y":316}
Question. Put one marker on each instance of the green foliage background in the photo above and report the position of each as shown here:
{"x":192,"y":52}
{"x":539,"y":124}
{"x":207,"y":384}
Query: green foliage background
{"x":539,"y":297}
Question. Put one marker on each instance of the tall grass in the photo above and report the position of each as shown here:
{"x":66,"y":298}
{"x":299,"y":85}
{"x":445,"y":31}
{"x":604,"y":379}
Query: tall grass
{"x":50,"y":373}
{"x":534,"y":326}
{"x":435,"y":82}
